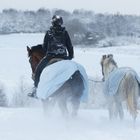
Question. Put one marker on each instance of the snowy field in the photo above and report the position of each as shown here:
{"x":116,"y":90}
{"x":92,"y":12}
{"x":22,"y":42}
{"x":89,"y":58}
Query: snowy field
{"x":31,"y":124}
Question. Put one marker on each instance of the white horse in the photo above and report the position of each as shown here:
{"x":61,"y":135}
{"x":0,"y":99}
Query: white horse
{"x":121,"y":84}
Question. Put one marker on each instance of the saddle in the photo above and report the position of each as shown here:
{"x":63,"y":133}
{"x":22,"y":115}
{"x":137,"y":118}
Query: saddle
{"x":54,"y":60}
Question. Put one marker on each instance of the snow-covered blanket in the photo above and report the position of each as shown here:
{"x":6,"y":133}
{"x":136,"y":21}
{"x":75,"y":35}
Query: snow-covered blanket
{"x":112,"y":83}
{"x":56,"y":74}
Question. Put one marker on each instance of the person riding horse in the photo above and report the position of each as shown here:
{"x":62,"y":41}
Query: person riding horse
{"x":57,"y":44}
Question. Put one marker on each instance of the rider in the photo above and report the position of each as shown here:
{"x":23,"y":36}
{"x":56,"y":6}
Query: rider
{"x":57,"y":44}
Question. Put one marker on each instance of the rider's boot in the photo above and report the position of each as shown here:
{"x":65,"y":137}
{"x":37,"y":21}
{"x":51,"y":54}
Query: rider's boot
{"x":33,"y":93}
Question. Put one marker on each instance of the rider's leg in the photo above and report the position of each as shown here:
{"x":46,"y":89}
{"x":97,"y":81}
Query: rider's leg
{"x":43,"y":63}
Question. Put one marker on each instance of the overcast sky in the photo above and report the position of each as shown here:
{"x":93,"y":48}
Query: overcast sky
{"x":109,"y":6}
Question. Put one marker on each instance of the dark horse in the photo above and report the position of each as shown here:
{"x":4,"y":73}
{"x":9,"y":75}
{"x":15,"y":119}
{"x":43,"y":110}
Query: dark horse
{"x":71,"y":90}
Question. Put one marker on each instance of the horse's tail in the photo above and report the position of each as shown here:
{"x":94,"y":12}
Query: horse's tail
{"x":132,"y":94}
{"x":132,"y":105}
{"x":77,"y":80}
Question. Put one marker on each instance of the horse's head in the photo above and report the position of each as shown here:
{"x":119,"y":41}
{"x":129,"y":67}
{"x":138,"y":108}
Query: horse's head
{"x":35,"y":54}
{"x":108,"y":65}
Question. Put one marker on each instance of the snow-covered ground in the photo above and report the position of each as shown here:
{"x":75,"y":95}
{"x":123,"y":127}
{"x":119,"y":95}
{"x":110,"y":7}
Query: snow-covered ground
{"x":31,"y":124}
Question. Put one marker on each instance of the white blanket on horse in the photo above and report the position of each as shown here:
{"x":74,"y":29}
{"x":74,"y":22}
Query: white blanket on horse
{"x":114,"y":79}
{"x":56,"y":74}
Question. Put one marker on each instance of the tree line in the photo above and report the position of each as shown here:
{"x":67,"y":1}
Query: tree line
{"x":85,"y":27}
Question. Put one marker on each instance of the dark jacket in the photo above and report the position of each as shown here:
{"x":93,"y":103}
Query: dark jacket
{"x":64,"y":36}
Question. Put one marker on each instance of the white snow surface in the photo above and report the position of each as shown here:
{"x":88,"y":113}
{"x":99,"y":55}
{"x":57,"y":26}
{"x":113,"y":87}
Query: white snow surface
{"x":31,"y":123}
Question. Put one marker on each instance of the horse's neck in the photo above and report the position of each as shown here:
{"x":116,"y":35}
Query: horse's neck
{"x":40,"y":57}
{"x":109,"y":69}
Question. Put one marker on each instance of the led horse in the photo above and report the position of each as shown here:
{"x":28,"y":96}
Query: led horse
{"x":121,"y":89}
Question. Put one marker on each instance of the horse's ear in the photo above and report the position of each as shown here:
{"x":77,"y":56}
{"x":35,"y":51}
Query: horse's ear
{"x":28,"y":49}
{"x":103,"y":56}
{"x":110,"y":55}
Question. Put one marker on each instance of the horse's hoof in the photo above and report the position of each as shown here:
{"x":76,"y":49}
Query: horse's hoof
{"x":74,"y":114}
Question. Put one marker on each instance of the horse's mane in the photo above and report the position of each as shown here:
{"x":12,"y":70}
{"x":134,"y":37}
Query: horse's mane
{"x":108,"y":64}
{"x":109,"y":59}
{"x":113,"y":62}
{"x":38,"y":48}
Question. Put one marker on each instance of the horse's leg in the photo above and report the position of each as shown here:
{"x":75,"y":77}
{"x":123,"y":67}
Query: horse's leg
{"x":47,"y":105}
{"x":62,"y":102}
{"x":120,"y":110}
{"x":75,"y":99}
{"x":111,"y":108}
{"x":121,"y":113}
{"x":110,"y":112}
{"x":75,"y":105}
{"x":77,"y":87}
